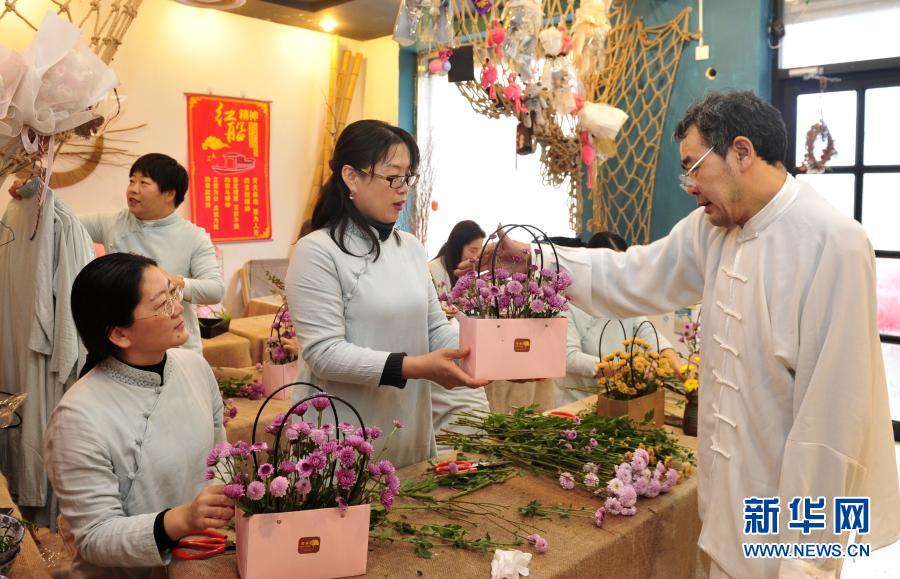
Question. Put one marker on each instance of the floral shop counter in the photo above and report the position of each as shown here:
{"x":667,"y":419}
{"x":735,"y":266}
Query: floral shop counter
{"x":554,"y":520}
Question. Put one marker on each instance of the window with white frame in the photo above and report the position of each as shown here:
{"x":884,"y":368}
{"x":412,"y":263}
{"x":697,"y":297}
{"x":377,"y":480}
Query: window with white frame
{"x":819,"y":32}
{"x":852,"y":43}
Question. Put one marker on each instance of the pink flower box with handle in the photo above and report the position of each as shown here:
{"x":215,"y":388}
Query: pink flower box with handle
{"x":514,"y":349}
{"x":314,"y":544}
{"x":511,"y":320}
{"x":302,"y":505}
{"x":274,"y":376}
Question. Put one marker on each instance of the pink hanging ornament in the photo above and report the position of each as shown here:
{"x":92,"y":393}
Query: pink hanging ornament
{"x":579,"y":104}
{"x":513,"y":93}
{"x":495,"y":38}
{"x":567,"y":43}
{"x":587,"y":155}
{"x":489,"y":77}
{"x":441,"y":64}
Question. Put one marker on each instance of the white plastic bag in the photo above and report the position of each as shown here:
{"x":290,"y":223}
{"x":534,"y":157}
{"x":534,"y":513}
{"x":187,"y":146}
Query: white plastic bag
{"x":63,"y":80}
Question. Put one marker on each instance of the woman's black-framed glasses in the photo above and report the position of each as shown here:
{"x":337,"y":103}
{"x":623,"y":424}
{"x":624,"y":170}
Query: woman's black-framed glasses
{"x":394,"y":181}
{"x":168,"y":307}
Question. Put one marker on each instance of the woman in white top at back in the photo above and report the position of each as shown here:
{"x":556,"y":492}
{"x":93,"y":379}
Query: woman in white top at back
{"x":585,"y":332}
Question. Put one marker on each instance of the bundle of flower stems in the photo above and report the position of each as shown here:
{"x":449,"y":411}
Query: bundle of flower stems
{"x":552,"y":445}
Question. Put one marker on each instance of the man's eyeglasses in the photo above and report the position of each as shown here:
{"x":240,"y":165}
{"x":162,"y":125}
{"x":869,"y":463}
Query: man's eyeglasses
{"x":686,"y":179}
{"x":394,"y":181}
{"x":168,"y":307}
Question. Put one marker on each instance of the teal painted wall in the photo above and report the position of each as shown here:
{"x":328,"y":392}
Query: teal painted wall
{"x":735,"y":31}
{"x":406,"y":112}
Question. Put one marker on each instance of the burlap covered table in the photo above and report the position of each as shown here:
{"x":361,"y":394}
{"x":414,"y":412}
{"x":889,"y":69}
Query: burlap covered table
{"x":660,"y":541}
{"x":29,"y":562}
{"x":228,"y":350}
{"x":241,"y":426}
{"x":257,"y":329}
{"x":265,"y":305}
{"x":505,"y":396}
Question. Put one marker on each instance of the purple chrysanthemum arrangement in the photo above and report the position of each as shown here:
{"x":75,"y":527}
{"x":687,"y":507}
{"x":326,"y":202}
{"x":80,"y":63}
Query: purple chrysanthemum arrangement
{"x":282,"y":329}
{"x":540,"y":293}
{"x":316,"y":465}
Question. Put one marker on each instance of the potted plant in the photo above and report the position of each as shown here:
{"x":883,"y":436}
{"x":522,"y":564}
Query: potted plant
{"x":510,"y":321}
{"x":12,"y":531}
{"x":632,"y":381}
{"x":213,"y":320}
{"x":281,"y":366}
{"x":305,"y":502}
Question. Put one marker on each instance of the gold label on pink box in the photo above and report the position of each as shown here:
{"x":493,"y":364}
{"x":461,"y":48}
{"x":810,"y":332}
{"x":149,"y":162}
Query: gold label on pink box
{"x":308,"y":545}
{"x":522,"y":345}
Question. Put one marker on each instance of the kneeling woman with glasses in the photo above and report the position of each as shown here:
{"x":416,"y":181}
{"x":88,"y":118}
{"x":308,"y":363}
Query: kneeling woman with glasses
{"x":125,"y":448}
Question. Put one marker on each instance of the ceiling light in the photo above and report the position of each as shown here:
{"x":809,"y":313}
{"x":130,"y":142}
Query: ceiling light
{"x":220,"y":4}
{"x":327,"y":24}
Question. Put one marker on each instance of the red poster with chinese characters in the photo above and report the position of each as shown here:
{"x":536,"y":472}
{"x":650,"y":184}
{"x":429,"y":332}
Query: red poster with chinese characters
{"x":228,"y":160}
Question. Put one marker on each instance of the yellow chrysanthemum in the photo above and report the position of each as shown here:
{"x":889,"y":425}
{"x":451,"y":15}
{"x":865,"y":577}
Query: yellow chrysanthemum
{"x":691,"y":384}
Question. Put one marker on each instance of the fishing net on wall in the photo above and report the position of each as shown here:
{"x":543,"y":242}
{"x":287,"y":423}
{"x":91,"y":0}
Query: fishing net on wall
{"x":643,"y":62}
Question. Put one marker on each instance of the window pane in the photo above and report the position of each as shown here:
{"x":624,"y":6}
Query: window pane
{"x":881,"y":206}
{"x":892,"y":369}
{"x":854,"y":35}
{"x":882,"y":126}
{"x":888,"y":272}
{"x":495,"y":185}
{"x":837,"y":189}
{"x":839,"y":111}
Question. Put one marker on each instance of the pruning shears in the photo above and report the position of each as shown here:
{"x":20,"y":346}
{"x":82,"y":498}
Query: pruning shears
{"x":562,"y":414}
{"x":464,"y":466}
{"x":208,"y":544}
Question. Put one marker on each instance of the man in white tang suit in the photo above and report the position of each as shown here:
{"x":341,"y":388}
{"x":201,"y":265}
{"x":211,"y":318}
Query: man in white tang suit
{"x":793,"y":398}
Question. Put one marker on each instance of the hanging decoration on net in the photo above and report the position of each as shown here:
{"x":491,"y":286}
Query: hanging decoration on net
{"x":58,"y":88}
{"x":590,"y":84}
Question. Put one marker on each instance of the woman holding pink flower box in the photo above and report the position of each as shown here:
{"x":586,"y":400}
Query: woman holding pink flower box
{"x":125,"y":447}
{"x":365,"y":311}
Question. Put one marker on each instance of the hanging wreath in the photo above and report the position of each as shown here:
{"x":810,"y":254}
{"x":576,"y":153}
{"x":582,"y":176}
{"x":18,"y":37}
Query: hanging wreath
{"x":811,"y":163}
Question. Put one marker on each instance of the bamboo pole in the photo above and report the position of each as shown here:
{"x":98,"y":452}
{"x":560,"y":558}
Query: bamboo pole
{"x":348,"y":92}
{"x":316,"y":184}
{"x":333,"y":114}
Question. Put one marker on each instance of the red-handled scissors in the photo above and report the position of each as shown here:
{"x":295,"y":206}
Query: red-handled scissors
{"x":562,"y":414}
{"x":210,"y":543}
{"x":462,"y":467}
